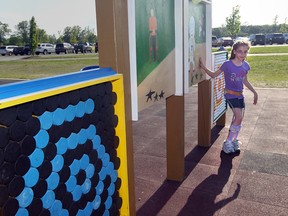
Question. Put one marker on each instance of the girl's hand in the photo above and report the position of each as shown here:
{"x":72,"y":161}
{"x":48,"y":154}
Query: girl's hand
{"x":255,"y":98}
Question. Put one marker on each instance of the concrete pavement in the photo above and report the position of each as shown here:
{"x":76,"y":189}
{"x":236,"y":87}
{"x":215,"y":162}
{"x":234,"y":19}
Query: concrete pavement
{"x":255,"y":182}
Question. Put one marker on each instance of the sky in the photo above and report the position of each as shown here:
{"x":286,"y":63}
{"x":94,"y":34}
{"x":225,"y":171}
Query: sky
{"x":54,"y":15}
{"x":51,"y":15}
{"x":252,"y":12}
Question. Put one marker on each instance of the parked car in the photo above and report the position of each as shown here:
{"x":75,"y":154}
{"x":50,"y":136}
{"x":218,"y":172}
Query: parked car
{"x":226,"y":41}
{"x":286,"y":37}
{"x":64,"y":47}
{"x":83,"y":47}
{"x":215,"y":41}
{"x":7,"y":50}
{"x":241,"y":39}
{"x":277,"y":38}
{"x":18,"y":50}
{"x":257,"y":39}
{"x":45,"y":48}
{"x":22,"y":50}
{"x":96,"y":47}
{"x":27,"y":49}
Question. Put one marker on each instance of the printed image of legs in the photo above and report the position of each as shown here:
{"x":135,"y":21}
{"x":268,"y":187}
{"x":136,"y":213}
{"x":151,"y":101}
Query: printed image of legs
{"x":153,"y":48}
{"x":192,"y":43}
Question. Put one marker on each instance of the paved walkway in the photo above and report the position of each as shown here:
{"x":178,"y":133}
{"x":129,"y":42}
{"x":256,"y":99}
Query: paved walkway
{"x":268,"y":54}
{"x":9,"y":80}
{"x":255,"y":182}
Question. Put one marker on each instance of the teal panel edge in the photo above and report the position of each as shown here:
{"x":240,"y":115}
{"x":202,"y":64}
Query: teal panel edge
{"x":44,"y":84}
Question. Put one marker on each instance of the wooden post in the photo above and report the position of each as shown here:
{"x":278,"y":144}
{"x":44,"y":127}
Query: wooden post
{"x":113,"y":42}
{"x":204,"y":113}
{"x":222,"y":120}
{"x":175,"y":138}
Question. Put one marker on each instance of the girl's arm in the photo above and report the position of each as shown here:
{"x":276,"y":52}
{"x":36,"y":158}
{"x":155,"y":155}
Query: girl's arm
{"x":209,"y":72}
{"x":250,"y":87}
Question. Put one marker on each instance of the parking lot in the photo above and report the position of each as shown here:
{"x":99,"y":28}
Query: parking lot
{"x":45,"y":57}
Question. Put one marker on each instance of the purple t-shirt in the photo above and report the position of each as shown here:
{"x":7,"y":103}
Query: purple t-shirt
{"x":234,"y":76}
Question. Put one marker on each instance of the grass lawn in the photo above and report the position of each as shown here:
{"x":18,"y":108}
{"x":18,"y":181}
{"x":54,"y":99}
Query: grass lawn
{"x":268,"y":71}
{"x":38,"y":67}
{"x":268,"y":49}
{"x":261,"y":49}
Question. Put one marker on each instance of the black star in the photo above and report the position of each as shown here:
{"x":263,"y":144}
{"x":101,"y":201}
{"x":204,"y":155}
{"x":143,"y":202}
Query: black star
{"x":161,"y":95}
{"x":156,"y":97}
{"x":149,"y":95}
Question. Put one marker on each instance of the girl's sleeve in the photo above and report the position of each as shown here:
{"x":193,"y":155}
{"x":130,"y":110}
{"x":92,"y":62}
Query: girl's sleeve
{"x":247,"y":67}
{"x":223,"y":66}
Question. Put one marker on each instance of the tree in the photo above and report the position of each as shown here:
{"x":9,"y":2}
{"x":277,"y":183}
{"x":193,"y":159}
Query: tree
{"x":4,"y":30}
{"x":284,"y":26}
{"x":52,"y":39}
{"x":275,"y":23}
{"x":233,"y":22}
{"x":23,"y":31}
{"x":71,"y":34}
{"x":59,"y":39}
{"x":275,"y":20}
{"x":75,"y":34}
{"x":76,"y":31}
{"x":87,"y":35}
{"x":42,"y":36}
{"x":67,"y":34}
{"x":91,"y":36}
{"x":33,"y":35}
{"x":15,"y":39}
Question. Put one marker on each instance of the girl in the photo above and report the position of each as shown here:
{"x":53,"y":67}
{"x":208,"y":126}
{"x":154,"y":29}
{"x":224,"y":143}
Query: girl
{"x":235,"y":72}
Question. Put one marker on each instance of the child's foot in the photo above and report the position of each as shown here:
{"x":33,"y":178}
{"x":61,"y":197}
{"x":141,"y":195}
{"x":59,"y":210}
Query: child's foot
{"x":228,"y":147}
{"x":236,"y":144}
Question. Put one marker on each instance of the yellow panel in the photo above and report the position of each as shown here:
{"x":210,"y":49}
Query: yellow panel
{"x":122,"y":150}
{"x":117,"y":82}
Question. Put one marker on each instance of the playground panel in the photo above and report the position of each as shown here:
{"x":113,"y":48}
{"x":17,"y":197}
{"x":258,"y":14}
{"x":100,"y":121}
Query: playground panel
{"x":219,"y":105}
{"x":170,"y":36}
{"x":63,"y":146}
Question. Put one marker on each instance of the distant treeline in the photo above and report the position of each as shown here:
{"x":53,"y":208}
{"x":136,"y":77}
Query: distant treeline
{"x":22,"y":35}
{"x":246,"y":30}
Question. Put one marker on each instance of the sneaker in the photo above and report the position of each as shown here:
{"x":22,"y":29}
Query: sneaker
{"x":228,"y":147}
{"x":236,"y":144}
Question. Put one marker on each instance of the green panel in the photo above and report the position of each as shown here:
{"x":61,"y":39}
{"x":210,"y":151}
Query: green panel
{"x":164,"y":13}
{"x":198,"y":11}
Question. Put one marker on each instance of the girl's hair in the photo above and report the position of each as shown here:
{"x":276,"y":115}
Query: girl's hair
{"x":236,"y":45}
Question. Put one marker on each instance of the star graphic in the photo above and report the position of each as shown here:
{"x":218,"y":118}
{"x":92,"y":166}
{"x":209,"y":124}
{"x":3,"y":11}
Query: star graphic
{"x":156,"y":97}
{"x":149,"y":95}
{"x":161,"y":95}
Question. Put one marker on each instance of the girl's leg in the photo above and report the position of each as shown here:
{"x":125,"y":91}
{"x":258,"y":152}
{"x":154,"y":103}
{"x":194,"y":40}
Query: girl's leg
{"x":231,"y":145}
{"x":235,"y":124}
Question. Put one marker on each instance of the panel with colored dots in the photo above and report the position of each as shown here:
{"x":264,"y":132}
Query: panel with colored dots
{"x":58,"y":154}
